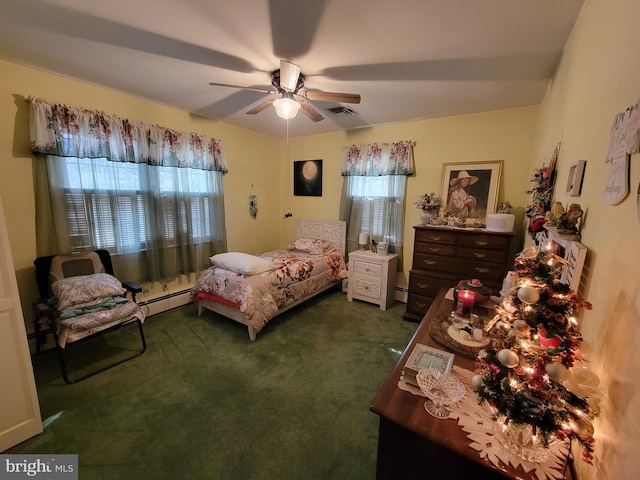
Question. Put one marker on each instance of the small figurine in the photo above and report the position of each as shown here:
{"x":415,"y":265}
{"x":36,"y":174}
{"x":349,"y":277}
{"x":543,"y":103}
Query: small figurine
{"x":568,"y":221}
{"x":553,"y":215}
{"x":505,"y":207}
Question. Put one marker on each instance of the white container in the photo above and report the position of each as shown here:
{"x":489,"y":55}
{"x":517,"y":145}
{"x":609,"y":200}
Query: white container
{"x":383,"y":248}
{"x":500,"y":222}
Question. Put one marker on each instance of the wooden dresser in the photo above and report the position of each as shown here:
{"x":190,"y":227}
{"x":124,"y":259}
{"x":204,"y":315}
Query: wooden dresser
{"x":442,"y":256}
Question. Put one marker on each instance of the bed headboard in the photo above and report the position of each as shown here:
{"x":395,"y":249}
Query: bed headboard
{"x":335,"y":231}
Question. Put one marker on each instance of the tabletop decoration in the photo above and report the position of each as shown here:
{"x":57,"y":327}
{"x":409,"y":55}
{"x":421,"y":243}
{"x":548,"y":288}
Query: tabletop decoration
{"x":429,"y":203}
{"x":524,"y":372}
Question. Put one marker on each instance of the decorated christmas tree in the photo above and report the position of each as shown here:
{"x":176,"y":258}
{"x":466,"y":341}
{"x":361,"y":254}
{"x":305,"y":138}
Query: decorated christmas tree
{"x":526,"y":372}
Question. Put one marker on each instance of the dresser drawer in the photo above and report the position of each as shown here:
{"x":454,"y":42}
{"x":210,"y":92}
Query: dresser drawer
{"x":417,"y":305}
{"x":492,"y":256}
{"x":429,"y":285}
{"x":367,"y":268}
{"x":422,"y":261}
{"x":482,"y":271}
{"x":435,"y":248}
{"x":435,"y":236}
{"x":489,"y":242}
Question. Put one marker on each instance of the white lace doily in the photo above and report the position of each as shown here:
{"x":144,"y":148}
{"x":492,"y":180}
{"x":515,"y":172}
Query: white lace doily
{"x":475,"y":420}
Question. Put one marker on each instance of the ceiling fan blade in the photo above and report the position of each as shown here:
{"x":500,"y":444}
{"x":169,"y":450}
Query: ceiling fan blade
{"x":294,"y":25}
{"x":260,"y":108}
{"x":332,"y":97}
{"x":253,"y":89}
{"x":289,"y":73}
{"x":309,"y":110}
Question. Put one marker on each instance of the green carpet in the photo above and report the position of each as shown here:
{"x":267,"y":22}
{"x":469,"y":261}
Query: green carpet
{"x":204,"y":402}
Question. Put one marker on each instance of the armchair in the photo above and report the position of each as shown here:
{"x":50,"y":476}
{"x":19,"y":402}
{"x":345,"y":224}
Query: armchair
{"x":86,"y":300}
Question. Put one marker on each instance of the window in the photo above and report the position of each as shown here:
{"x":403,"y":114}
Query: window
{"x":373,"y":192}
{"x":130,"y":208}
{"x":151,"y":195}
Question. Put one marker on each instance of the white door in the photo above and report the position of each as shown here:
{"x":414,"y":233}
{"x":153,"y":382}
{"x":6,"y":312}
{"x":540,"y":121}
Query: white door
{"x":19,"y":407}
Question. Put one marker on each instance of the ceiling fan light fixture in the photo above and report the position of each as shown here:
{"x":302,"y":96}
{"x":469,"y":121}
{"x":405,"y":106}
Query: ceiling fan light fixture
{"x":286,"y":107}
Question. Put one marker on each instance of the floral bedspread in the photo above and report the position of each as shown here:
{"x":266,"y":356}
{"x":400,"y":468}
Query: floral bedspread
{"x":296,"y":275}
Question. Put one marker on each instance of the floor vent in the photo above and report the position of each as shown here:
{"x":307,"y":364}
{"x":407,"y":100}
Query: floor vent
{"x":402,"y":294}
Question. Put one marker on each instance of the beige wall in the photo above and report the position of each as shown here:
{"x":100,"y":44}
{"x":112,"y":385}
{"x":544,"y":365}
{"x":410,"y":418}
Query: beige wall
{"x":505,"y":135}
{"x":598,"y":77}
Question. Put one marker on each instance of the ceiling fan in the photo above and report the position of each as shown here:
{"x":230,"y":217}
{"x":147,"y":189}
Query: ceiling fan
{"x":292,"y":94}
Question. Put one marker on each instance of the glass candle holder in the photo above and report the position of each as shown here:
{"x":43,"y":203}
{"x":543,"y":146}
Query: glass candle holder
{"x":464,"y":305}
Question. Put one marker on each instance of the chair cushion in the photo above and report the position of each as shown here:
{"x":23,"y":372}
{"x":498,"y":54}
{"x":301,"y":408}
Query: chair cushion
{"x":64,"y":266}
{"x":85,"y":290}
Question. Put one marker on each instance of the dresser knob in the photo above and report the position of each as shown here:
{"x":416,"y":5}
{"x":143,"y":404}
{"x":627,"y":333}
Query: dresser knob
{"x":481,"y":243}
{"x":482,"y":270}
{"x":436,"y":239}
{"x":434,"y":250}
{"x":423,"y":286}
{"x":479,"y":255}
{"x":430,"y":262}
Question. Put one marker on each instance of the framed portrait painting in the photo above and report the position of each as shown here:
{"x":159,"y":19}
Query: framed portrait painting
{"x":470,"y":190}
{"x":307,"y":178}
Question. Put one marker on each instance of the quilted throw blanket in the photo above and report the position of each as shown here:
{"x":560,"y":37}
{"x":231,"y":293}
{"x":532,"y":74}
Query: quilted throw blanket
{"x":73,"y":328}
{"x":295,"y":275}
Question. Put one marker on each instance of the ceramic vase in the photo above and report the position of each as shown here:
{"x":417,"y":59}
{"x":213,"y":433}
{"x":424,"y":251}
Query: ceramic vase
{"x":429,"y":215}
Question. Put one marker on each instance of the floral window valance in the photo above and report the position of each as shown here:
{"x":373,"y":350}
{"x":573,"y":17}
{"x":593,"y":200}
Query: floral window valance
{"x":378,"y":159}
{"x":64,"y":131}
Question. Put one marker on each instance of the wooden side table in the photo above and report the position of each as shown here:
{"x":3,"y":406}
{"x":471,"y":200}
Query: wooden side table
{"x":41,"y":324}
{"x":372,"y":277}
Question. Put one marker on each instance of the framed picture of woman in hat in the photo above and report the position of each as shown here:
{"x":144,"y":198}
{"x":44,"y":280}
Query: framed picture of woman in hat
{"x":470,"y":190}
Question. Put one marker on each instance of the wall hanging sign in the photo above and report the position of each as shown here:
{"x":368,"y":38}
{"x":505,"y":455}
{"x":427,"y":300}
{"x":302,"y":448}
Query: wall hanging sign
{"x":624,"y":140}
{"x":307,"y":178}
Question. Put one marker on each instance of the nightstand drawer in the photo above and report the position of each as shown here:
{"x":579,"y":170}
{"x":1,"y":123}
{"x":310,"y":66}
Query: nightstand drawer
{"x":367,"y":268}
{"x":366,"y":285}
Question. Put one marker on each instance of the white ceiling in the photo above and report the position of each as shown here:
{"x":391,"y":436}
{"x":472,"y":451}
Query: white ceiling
{"x":408,"y":59}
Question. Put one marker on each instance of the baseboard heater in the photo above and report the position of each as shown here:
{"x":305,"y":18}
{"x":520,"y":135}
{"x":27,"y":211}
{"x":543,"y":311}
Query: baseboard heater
{"x":166,"y":302}
{"x":402,"y":294}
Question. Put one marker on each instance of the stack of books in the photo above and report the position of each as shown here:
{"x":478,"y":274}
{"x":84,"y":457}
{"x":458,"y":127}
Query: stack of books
{"x":423,"y":356}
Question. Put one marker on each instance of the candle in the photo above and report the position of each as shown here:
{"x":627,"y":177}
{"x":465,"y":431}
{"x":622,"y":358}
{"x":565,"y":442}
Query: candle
{"x":465,"y":303}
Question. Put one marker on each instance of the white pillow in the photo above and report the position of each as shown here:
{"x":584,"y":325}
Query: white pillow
{"x":243,"y":263}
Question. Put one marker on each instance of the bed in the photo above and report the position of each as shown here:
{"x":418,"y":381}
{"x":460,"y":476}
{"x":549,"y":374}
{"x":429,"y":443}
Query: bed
{"x":253,"y":289}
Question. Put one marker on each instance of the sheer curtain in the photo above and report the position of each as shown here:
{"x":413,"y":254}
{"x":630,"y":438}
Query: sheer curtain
{"x":373,"y":194}
{"x":151,"y":196}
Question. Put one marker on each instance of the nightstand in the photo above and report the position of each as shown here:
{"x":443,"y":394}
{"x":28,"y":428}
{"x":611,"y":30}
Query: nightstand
{"x":372,"y":277}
